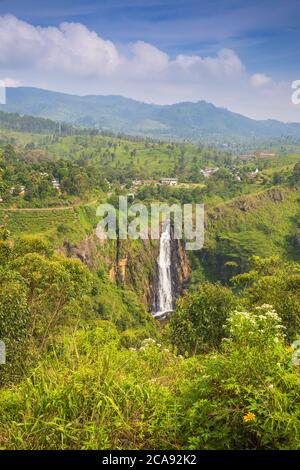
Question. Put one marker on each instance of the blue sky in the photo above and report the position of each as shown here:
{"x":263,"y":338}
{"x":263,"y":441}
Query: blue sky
{"x":263,"y":35}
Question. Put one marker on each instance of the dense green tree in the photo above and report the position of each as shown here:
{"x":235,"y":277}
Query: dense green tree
{"x":295,"y":178}
{"x":246,"y":396}
{"x":197,"y":324}
{"x":272,"y":281}
{"x":14,"y":319}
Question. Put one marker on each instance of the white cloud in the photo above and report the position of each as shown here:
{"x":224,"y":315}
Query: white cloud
{"x":73,"y":59}
{"x":226,"y":63}
{"x":259,"y":79}
{"x":71,"y":48}
{"x":76,"y":50}
{"x":146,"y":59}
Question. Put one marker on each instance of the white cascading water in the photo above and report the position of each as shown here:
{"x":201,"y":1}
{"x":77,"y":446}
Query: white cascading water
{"x":165,"y":297}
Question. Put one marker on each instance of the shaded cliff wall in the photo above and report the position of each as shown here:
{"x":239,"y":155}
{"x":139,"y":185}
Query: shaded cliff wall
{"x":131,"y":263}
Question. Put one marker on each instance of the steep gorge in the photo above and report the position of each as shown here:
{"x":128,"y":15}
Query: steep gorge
{"x":132,"y":264}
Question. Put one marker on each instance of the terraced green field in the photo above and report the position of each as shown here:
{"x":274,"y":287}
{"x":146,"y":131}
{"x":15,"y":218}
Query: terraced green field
{"x":55,"y":224}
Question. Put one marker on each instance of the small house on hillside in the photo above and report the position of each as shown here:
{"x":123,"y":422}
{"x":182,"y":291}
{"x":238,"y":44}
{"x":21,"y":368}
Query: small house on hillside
{"x":56,"y":184}
{"x":266,"y":154}
{"x":207,"y":172}
{"x":19,"y":191}
{"x":254,"y":173}
{"x":137,"y":183}
{"x":169,"y":181}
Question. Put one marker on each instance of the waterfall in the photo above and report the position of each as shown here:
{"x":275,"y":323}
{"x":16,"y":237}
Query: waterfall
{"x":165,"y":294}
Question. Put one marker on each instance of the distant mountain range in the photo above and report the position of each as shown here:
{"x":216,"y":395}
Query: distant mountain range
{"x":194,"y":121}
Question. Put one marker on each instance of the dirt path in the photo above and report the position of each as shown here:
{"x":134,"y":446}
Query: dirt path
{"x":47,"y":209}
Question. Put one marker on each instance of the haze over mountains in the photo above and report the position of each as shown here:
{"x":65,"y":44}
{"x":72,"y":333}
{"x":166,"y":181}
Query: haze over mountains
{"x":185,"y":120}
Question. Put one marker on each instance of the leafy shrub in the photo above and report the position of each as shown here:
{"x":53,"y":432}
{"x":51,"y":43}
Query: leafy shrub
{"x":247,"y":396}
{"x":197,"y":324}
{"x":13,"y":323}
{"x":277,"y":283}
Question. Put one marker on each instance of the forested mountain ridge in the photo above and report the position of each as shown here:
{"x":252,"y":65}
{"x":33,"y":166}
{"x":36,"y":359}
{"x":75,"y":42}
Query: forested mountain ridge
{"x":26,"y":123}
{"x":185,"y":120}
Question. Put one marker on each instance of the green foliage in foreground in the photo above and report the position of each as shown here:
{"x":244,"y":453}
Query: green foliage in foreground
{"x":42,"y":292}
{"x":82,"y":372}
{"x":89,"y":392}
{"x":197,"y":324}
{"x":274,"y":282}
{"x":248,"y":396}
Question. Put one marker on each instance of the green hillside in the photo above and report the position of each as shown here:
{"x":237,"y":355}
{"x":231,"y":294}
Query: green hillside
{"x":87,"y":366}
{"x":255,"y":225}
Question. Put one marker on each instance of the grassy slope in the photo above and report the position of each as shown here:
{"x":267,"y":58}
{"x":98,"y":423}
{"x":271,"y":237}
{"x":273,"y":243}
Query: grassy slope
{"x":73,"y":223}
{"x":258,"y":224}
{"x":149,"y":159}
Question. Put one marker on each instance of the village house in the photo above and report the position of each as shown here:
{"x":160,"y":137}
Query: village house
{"x":21,"y":192}
{"x":207,"y":172}
{"x":246,"y":156}
{"x":169,"y":181}
{"x":254,"y":173}
{"x":137,"y":183}
{"x":266,"y":154}
{"x":56,"y":184}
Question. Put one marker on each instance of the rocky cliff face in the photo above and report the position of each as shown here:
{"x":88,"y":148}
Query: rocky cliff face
{"x":131,"y":263}
{"x":86,"y":251}
{"x":180,"y":267}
